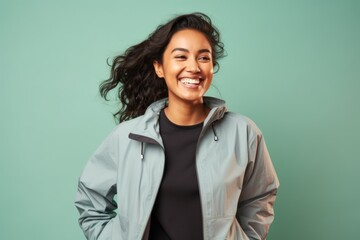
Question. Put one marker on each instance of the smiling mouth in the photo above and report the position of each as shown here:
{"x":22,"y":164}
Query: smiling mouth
{"x":190,"y":81}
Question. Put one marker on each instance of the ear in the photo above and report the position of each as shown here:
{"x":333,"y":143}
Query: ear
{"x":158,"y":69}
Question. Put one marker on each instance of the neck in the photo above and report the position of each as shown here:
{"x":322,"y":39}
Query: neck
{"x":186,"y":114}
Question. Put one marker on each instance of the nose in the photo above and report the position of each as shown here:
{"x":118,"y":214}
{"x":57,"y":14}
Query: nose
{"x":193,"y":66}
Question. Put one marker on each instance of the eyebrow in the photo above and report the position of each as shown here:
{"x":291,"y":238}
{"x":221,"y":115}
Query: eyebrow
{"x":186,"y":50}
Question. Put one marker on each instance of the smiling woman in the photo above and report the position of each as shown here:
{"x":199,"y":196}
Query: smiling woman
{"x":187,"y":68}
{"x":180,"y":165}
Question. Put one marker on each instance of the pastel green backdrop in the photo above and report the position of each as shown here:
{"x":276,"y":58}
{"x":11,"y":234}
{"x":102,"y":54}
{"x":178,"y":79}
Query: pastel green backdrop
{"x":292,"y":66}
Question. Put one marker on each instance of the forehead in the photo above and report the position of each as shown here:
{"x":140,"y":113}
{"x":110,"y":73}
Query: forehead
{"x":189,"y":39}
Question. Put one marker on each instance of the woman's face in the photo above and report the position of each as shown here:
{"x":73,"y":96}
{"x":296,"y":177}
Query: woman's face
{"x":187,"y":66}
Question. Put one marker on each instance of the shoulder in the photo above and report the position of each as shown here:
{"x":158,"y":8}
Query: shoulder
{"x":242,"y":123}
{"x":118,"y":137}
{"x":124,"y":128}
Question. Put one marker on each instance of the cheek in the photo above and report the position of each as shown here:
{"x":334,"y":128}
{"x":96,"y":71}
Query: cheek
{"x":172,"y":68}
{"x":210,"y":70}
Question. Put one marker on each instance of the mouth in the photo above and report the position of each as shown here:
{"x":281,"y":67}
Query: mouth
{"x":191,"y":81}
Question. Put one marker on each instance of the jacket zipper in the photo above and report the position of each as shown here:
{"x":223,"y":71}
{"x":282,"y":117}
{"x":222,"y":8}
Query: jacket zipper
{"x":198,"y":178}
{"x":201,"y":196}
{"x":153,"y":198}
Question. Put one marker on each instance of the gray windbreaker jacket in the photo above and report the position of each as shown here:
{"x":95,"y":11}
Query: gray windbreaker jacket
{"x":237,"y":181}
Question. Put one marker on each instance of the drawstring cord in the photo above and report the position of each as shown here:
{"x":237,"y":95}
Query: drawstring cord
{"x":215,"y":136}
{"x":142,"y":151}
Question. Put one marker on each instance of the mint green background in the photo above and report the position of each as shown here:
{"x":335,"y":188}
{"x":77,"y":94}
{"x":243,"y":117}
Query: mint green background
{"x":292,"y":66}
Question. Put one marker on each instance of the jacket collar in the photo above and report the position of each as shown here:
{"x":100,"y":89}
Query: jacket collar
{"x":147,"y":128}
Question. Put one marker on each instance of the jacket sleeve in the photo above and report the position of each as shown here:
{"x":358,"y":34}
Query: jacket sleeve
{"x":96,"y":191}
{"x":256,"y":204}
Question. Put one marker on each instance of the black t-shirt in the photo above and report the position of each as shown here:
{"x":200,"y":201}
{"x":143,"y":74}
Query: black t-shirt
{"x":177,"y":211}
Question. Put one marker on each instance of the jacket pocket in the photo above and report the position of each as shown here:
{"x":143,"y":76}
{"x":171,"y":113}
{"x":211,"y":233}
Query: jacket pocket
{"x":236,"y":232}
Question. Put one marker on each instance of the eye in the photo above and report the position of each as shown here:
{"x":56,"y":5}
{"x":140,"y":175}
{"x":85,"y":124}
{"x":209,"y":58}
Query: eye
{"x":204,"y":58}
{"x":180,"y":57}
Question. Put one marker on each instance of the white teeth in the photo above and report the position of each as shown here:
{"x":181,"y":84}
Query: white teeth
{"x":190,"y":81}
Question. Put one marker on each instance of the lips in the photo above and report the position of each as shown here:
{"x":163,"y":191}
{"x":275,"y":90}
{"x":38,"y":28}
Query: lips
{"x":190,"y":81}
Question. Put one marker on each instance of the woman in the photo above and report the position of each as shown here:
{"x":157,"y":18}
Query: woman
{"x":180,"y":165}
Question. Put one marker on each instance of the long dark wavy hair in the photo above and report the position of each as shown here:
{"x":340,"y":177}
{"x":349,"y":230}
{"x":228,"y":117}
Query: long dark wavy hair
{"x":133,"y":71}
